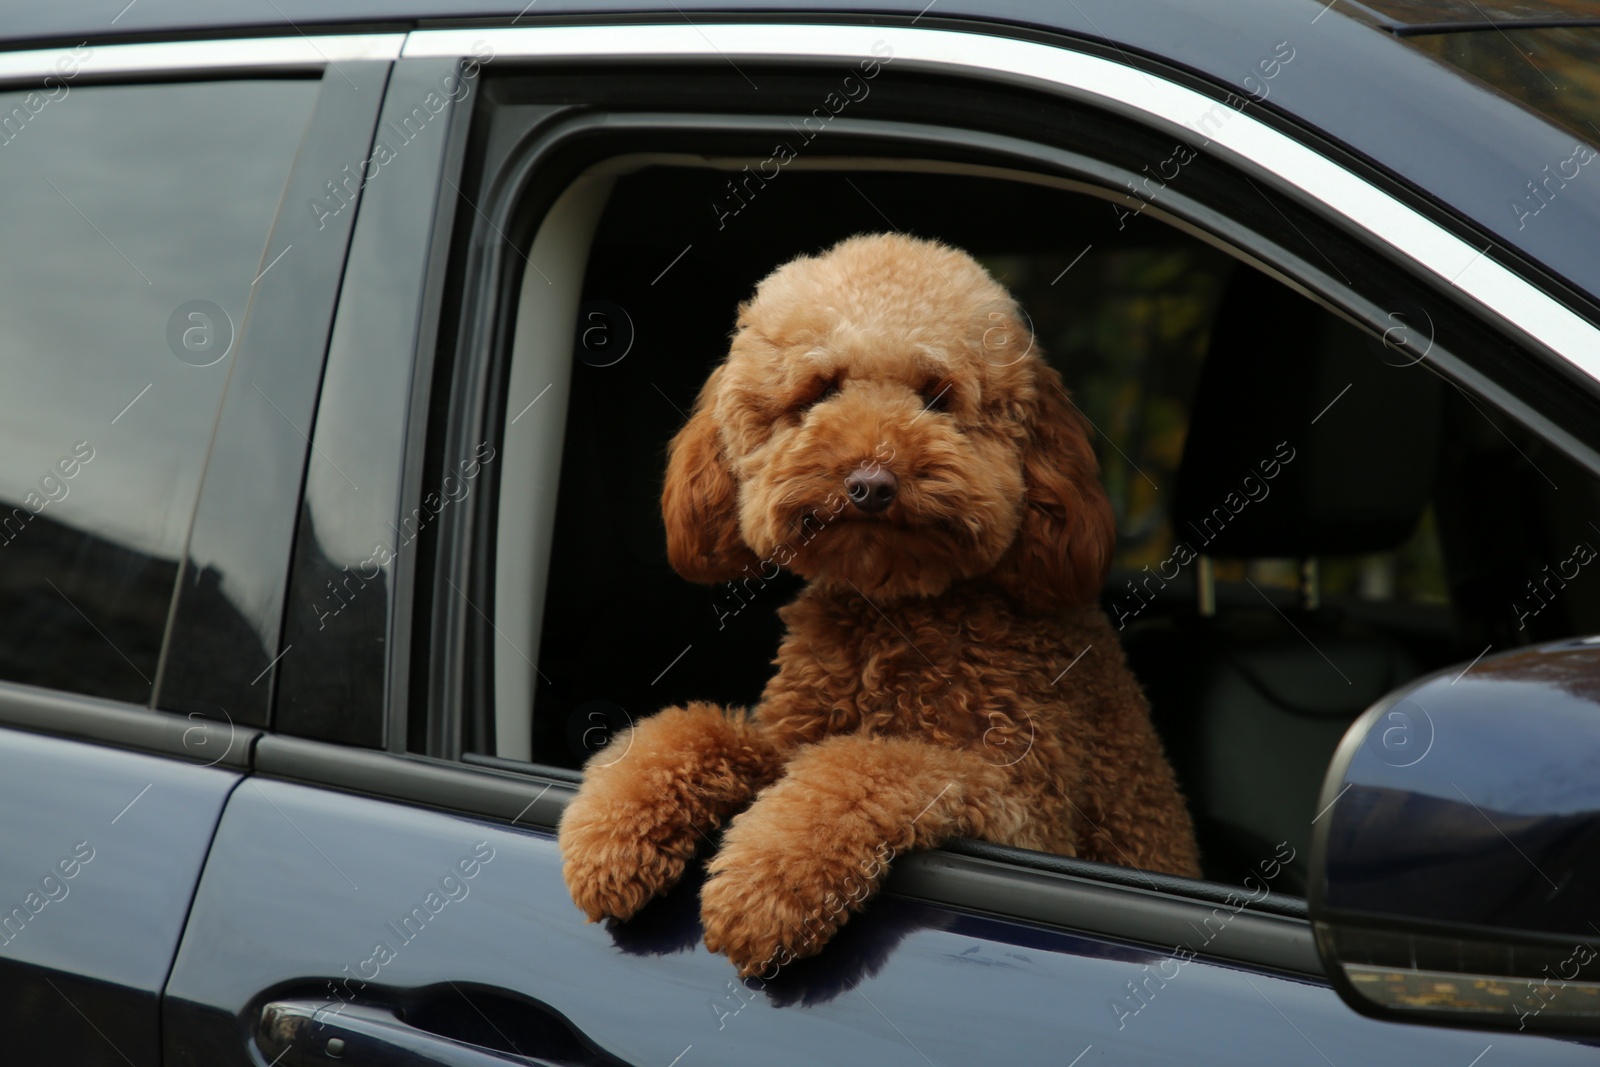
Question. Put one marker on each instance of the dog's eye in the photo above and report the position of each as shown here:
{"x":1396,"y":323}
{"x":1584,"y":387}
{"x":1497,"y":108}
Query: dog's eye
{"x":936,"y":397}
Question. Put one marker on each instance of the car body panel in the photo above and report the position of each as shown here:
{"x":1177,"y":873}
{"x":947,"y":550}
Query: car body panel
{"x":102,"y":852}
{"x":331,"y":878}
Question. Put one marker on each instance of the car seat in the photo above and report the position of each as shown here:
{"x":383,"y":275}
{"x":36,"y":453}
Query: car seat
{"x":1307,"y":439}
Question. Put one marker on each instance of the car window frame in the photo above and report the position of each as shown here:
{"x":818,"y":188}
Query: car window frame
{"x":1299,"y":166}
{"x":386,"y":327}
{"x":473,"y":586}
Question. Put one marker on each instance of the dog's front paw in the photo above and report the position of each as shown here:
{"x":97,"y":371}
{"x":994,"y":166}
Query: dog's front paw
{"x":763,"y":908}
{"x":613,"y":865}
{"x":759,"y":923}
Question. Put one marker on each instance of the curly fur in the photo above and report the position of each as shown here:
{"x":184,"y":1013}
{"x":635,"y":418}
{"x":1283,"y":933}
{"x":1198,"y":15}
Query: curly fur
{"x":922,"y":690}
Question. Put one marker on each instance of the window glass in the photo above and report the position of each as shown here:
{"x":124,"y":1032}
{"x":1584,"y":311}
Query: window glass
{"x":135,"y":222}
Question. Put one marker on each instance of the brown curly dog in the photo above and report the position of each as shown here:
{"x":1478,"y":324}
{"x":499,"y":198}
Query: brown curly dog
{"x":883,"y":427}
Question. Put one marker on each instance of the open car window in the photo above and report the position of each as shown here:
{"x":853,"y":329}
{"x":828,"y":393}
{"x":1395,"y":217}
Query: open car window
{"x":1308,"y":515}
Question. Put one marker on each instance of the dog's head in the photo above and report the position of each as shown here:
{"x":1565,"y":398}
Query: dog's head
{"x":883,"y":420}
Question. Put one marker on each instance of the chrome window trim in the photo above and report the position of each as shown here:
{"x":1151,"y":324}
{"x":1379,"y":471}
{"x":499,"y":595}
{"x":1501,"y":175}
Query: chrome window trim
{"x":1093,"y":79}
{"x":312,"y":53}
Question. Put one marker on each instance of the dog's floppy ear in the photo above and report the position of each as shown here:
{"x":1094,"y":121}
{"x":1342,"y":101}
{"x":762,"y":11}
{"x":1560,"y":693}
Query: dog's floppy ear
{"x":700,"y":503}
{"x":1064,"y":545}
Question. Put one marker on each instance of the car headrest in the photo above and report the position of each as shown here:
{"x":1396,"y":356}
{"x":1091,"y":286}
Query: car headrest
{"x":1308,"y":437}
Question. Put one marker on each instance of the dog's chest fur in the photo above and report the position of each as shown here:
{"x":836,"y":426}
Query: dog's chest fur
{"x":958,"y":668}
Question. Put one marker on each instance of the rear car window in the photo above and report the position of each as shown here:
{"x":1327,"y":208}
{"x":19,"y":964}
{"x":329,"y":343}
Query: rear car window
{"x":135,"y":223}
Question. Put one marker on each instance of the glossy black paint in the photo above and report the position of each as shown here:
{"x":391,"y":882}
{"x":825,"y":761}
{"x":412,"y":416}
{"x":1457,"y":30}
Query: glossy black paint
{"x":1451,"y":141}
{"x":102,"y":851}
{"x":1455,"y":876}
{"x":347,"y":605}
{"x":905,"y":981}
{"x":1474,"y":800}
{"x":971,"y":875}
{"x":223,"y":637}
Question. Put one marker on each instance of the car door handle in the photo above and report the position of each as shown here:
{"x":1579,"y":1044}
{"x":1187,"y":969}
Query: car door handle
{"x":314,"y":1033}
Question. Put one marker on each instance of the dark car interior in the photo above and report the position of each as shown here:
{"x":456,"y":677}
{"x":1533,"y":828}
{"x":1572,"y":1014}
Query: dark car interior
{"x":1409,"y":530}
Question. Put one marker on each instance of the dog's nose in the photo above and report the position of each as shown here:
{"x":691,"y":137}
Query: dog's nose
{"x":871,"y":490}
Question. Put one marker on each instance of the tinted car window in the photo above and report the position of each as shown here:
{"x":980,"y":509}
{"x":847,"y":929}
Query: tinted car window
{"x":135,"y":223}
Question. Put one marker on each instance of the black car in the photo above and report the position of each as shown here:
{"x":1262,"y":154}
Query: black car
{"x":343,"y":342}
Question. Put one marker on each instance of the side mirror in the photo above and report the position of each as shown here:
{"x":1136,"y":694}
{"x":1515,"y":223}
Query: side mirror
{"x":1455,"y":862}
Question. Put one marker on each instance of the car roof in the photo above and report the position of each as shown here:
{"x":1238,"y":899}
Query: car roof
{"x":1353,"y":81}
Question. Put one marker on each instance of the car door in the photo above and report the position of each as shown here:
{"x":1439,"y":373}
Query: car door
{"x":142,"y":198}
{"x":386,"y":885}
